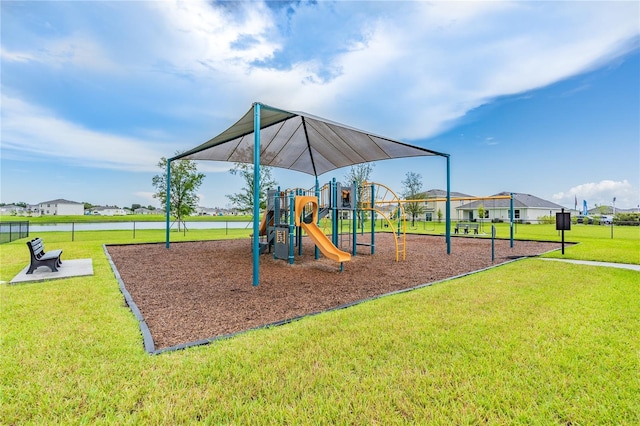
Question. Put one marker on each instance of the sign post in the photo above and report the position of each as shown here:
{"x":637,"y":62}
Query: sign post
{"x":563,"y":223}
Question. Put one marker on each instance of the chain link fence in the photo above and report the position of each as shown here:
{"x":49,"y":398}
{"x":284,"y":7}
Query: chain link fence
{"x":11,"y":231}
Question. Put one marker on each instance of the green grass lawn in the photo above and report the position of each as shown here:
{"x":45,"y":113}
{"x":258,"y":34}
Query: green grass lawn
{"x":530,"y":342}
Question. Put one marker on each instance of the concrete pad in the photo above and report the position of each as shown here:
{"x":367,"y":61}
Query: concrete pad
{"x":69,"y":268}
{"x":592,"y":263}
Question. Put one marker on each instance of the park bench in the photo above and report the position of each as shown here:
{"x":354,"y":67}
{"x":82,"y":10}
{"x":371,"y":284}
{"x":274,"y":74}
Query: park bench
{"x":40,"y":258}
{"x":466,"y":227}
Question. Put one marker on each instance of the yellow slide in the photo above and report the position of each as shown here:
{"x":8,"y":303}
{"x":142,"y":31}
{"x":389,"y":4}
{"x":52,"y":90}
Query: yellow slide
{"x":263,"y":223}
{"x":317,"y":236}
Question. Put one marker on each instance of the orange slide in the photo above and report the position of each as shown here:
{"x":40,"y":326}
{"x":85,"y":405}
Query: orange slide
{"x":263,"y":223}
{"x":317,"y":236}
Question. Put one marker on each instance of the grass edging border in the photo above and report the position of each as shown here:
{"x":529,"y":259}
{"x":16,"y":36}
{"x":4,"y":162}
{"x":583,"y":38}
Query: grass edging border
{"x":149,"y":344}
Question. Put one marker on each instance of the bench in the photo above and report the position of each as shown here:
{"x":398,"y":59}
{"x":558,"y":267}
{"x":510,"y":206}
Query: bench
{"x":466,"y":227}
{"x":40,"y":258}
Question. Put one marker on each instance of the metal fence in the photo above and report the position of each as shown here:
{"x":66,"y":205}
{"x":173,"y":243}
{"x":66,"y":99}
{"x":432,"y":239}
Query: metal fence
{"x":11,"y":231}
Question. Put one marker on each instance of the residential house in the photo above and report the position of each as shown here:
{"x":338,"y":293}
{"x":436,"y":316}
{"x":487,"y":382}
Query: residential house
{"x":436,"y":201}
{"x":526,"y":208}
{"x":33,"y":209}
{"x":206,"y":211}
{"x":61,"y":207}
{"x":12,"y":210}
{"x":107,"y":211}
{"x":144,"y":210}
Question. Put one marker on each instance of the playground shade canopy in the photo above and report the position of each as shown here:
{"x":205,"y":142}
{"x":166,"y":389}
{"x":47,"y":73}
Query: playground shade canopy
{"x":300,"y":141}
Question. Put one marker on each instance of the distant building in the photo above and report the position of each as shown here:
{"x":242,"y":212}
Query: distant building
{"x":526,"y":208}
{"x":435,"y":201}
{"x":13,"y":210}
{"x":61,"y":207}
{"x":144,"y":210}
{"x":206,"y":211}
{"x":107,"y":211}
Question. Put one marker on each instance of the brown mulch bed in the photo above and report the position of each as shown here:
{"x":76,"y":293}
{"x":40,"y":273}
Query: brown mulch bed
{"x":200,"y":290}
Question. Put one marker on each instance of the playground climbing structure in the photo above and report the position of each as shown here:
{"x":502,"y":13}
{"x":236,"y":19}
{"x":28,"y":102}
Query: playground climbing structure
{"x":292,"y":213}
{"x":380,"y":199}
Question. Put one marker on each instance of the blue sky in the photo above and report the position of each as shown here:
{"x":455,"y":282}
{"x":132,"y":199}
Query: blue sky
{"x":534,"y":97}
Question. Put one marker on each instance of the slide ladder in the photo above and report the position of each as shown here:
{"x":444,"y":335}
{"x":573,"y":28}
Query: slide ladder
{"x":266,"y":223}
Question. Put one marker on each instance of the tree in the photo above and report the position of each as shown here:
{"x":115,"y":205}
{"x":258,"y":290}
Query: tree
{"x":185,"y":181}
{"x":481,"y":213}
{"x":135,"y":206}
{"x":359,"y":173}
{"x":412,"y":190}
{"x":243,"y":200}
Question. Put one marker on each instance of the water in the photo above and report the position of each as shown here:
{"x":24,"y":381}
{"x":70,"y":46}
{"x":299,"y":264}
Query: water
{"x":114,"y":226}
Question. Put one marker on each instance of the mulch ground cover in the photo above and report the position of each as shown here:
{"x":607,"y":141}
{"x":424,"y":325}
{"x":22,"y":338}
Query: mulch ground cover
{"x":201,"y":290}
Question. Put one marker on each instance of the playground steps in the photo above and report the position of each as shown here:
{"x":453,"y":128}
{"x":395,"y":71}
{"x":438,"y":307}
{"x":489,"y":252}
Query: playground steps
{"x":266,"y":231}
{"x":264,"y":247}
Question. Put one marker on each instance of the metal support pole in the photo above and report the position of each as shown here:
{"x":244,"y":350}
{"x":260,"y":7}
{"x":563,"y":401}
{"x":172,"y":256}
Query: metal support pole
{"x":511,"y":219}
{"x":334,"y":210}
{"x":277,"y":214}
{"x":614,"y":216}
{"x":354,"y":217}
{"x":448,"y":207}
{"x":373,"y":221}
{"x":493,"y":243}
{"x":562,"y":231}
{"x":316,"y":251}
{"x":299,"y":228}
{"x":256,"y":194}
{"x":168,"y":202}
{"x":291,"y":226}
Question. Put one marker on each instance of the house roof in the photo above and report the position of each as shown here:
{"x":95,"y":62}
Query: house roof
{"x":519,"y":200}
{"x":441,"y":193}
{"x":299,"y":141}
{"x":60,"y":201}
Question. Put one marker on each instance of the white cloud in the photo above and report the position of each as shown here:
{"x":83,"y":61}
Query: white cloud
{"x":601,"y":193}
{"x":204,"y":38}
{"x":15,"y":56}
{"x":420,"y":65}
{"x":146,"y":197}
{"x":36,"y":132}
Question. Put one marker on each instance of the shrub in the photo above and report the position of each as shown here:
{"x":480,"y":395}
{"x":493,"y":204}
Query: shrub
{"x":549,"y":220}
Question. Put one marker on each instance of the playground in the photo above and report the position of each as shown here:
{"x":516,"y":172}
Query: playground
{"x":191,"y":292}
{"x":198,"y":290}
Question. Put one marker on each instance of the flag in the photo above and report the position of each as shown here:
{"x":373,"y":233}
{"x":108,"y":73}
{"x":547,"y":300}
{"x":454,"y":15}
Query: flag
{"x":584,"y":208}
{"x":575,"y":204}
